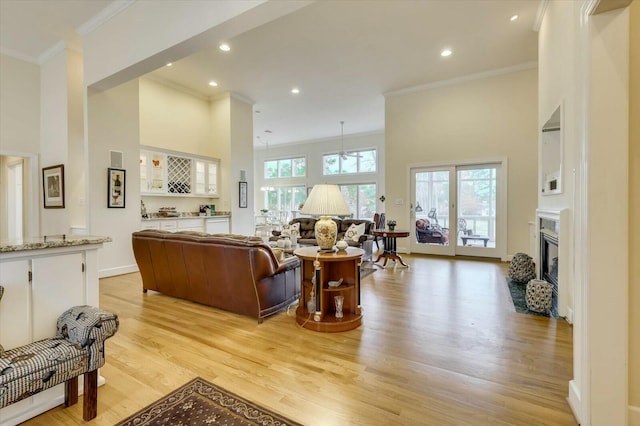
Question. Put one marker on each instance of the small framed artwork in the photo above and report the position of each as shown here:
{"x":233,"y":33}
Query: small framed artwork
{"x":53,"y":186}
{"x":116,"y":188}
{"x":243,"y":195}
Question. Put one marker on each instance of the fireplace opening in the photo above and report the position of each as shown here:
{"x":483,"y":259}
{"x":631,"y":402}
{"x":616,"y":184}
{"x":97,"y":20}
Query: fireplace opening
{"x":549,"y":262}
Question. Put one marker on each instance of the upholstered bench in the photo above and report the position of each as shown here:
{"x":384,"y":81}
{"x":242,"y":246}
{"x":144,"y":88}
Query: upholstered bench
{"x":78,"y":348}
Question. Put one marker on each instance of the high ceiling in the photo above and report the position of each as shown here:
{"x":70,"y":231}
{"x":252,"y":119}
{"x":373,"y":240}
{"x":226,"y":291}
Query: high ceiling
{"x":342,"y":55}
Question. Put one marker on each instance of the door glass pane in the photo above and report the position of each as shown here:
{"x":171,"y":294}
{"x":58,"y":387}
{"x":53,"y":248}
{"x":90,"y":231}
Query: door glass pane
{"x":432,"y":207}
{"x":477,"y":207}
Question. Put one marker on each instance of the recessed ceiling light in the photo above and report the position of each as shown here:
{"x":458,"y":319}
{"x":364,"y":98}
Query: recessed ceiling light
{"x":446,"y":52}
{"x":295,"y":90}
{"x":224,"y":47}
{"x":213,"y":83}
{"x":169,"y":64}
{"x":513,"y":18}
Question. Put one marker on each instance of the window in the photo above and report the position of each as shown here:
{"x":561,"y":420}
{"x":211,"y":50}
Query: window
{"x":286,"y":198}
{"x":285,"y":168}
{"x":361,"y":199}
{"x":352,"y":162}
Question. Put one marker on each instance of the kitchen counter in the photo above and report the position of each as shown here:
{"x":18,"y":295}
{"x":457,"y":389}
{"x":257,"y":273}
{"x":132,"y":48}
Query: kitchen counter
{"x":51,"y":241}
{"x":222,"y":215}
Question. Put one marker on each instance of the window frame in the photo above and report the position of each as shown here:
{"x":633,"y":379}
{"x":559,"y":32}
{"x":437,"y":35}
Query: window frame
{"x":278,"y":167}
{"x":358,"y":161}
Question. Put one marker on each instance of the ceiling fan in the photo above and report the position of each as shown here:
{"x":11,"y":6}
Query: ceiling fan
{"x":344,"y":154}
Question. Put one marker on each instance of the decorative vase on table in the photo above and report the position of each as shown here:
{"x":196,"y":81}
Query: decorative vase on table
{"x":392,"y":227}
{"x":339,"y":303}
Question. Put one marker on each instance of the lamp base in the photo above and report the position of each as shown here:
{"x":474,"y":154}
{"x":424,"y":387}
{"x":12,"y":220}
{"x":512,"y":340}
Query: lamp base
{"x":327,"y":250}
{"x":326,"y":231}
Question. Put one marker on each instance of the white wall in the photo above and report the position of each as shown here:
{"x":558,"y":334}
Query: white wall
{"x":608,"y":173}
{"x":76,"y":182}
{"x":19,"y":105}
{"x":54,"y":141}
{"x":113,"y":124}
{"x":20,"y":133}
{"x":492,"y":117}
{"x":241,"y":143}
{"x":313,"y":152}
{"x":173,"y":119}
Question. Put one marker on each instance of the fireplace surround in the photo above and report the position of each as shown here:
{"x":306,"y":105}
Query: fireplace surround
{"x":553,"y":232}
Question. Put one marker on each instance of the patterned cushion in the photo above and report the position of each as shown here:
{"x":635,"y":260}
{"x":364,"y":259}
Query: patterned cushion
{"x":29,"y":369}
{"x":354,"y":232}
{"x":291,"y":230}
{"x":76,"y":349}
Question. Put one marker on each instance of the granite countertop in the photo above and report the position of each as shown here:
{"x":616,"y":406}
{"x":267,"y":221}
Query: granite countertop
{"x":155,"y":216}
{"x":50,"y":241}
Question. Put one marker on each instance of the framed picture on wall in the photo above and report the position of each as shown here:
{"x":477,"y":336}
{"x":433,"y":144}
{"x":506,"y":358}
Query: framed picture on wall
{"x":116,"y":188}
{"x":243,"y":195}
{"x":53,"y":186}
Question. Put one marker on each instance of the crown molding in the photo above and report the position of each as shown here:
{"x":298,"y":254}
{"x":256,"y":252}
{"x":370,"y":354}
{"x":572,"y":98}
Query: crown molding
{"x":103,"y":16}
{"x":470,"y":77}
{"x":17,"y":55}
{"x":175,"y":86}
{"x":54,"y":50}
{"x":542,"y":8}
{"x":242,"y":98}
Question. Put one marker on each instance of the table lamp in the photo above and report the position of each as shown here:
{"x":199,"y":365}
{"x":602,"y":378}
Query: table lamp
{"x":325,"y":201}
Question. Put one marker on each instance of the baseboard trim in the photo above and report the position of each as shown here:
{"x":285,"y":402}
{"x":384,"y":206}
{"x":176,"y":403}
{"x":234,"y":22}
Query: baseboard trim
{"x":569,"y":316}
{"x":574,"y":400}
{"x":120,"y":270}
{"x":634,"y":415}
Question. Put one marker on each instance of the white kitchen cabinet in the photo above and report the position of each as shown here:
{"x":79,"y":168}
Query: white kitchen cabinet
{"x":217,"y":225}
{"x":150,"y":224}
{"x":170,"y":173}
{"x":153,"y":172}
{"x":206,"y":178}
{"x":191,"y":225}
{"x":168,"y":225}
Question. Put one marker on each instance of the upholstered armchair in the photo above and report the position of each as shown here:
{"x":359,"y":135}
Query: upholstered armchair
{"x":430,"y":233}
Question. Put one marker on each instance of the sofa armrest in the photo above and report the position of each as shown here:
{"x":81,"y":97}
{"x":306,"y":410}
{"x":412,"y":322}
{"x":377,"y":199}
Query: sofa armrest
{"x":288,"y":264}
{"x":88,"y":327}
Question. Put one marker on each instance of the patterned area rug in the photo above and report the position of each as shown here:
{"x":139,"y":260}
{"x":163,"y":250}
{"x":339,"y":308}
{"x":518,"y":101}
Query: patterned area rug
{"x":518,"y":295}
{"x":202,"y":403}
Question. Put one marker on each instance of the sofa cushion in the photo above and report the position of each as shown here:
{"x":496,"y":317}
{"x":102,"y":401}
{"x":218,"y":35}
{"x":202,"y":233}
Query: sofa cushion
{"x":291,"y":230}
{"x":354,"y":232}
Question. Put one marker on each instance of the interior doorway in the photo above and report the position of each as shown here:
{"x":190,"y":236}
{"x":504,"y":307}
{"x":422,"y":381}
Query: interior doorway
{"x":14,"y":200}
{"x":459,"y":209}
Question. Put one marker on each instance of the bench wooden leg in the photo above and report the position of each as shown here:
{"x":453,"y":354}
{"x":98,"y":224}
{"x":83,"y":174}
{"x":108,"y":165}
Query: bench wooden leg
{"x":71,"y":392}
{"x":90,"y":403}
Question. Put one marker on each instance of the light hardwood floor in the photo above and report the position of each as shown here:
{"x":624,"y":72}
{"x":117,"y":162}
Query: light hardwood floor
{"x":440,"y":344}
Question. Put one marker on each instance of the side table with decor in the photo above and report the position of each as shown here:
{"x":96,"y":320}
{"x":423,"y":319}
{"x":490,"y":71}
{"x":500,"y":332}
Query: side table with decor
{"x":327,"y":279}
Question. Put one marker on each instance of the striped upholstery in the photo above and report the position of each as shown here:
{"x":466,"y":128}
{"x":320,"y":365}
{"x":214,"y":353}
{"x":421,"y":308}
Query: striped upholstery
{"x":76,"y":349}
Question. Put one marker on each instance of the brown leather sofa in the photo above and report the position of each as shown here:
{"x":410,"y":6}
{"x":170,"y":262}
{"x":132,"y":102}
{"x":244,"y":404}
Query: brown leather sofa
{"x":231,"y":272}
{"x":307,"y":231}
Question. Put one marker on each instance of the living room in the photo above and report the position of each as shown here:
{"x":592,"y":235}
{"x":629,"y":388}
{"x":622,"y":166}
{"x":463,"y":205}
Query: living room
{"x":403,"y":142}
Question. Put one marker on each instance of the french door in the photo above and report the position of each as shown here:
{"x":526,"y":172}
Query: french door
{"x":458,"y":210}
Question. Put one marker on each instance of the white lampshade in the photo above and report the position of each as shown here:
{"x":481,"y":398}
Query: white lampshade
{"x":325,"y":200}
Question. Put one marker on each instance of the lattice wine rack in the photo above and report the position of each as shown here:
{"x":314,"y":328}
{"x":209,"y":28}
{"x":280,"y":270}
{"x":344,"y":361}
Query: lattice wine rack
{"x":179,"y":175}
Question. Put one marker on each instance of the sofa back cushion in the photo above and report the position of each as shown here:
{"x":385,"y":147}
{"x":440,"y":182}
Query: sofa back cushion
{"x":346,"y":223}
{"x":307,"y":226}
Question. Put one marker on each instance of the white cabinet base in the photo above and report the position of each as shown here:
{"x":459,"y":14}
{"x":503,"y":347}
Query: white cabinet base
{"x":62,"y":277}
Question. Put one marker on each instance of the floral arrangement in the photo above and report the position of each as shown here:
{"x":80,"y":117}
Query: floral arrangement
{"x":391,"y":224}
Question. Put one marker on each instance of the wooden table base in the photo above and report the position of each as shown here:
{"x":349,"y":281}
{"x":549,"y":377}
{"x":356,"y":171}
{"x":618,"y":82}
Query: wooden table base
{"x":390,"y":247}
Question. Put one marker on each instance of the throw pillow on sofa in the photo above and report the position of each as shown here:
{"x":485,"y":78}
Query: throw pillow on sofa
{"x":354,"y":232}
{"x":291,"y":230}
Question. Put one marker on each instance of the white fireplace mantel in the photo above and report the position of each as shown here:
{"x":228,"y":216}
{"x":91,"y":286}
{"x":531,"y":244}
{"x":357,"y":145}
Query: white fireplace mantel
{"x":565,"y":264}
